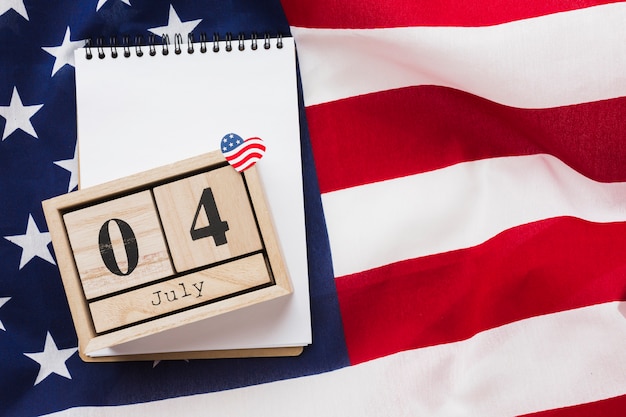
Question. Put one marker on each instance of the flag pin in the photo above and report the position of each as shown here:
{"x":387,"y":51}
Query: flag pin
{"x":240,"y":153}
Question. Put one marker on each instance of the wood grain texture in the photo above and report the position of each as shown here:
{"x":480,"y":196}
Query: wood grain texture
{"x":270,"y":239}
{"x":179,"y":293}
{"x":83,"y":227}
{"x":179,"y":201}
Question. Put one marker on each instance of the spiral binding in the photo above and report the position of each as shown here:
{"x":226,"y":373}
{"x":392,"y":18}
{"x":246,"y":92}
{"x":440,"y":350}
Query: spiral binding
{"x":138,"y":45}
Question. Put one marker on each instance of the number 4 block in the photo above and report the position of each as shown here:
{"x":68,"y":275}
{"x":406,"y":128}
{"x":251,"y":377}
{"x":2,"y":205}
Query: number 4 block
{"x":164,"y":248}
{"x":207,"y":218}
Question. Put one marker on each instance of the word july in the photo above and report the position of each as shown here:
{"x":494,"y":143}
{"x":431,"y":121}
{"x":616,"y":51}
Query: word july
{"x":171,"y":295}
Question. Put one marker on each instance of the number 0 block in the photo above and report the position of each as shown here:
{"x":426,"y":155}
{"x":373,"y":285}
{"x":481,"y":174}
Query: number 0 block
{"x":118,"y":244}
{"x":164,"y":248}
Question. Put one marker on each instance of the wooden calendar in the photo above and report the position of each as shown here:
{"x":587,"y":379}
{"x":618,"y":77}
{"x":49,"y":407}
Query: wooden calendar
{"x":164,"y":248}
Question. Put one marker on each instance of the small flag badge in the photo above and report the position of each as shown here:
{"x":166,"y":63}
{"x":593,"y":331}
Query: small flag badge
{"x":240,"y":153}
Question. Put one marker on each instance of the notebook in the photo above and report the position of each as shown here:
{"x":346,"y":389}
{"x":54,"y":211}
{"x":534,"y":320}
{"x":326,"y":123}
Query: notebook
{"x":140,"y":107}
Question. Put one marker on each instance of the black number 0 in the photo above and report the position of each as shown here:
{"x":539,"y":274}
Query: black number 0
{"x":130,"y":245}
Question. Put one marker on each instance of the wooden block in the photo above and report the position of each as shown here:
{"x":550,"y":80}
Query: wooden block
{"x":207,"y":218}
{"x":180,"y":293}
{"x":163,"y":248}
{"x":117,"y":244}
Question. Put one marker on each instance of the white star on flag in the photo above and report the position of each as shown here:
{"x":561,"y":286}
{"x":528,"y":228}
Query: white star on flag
{"x":33,"y":243}
{"x":18,"y":115}
{"x":175,"y":25}
{"x":17,"y":5}
{"x":71,"y":165}
{"x":101,"y":3}
{"x":3,"y":301}
{"x":64,"y":53}
{"x":51,"y":360}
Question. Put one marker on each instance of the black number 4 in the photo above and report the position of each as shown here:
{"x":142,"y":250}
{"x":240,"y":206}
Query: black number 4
{"x":217,"y":228}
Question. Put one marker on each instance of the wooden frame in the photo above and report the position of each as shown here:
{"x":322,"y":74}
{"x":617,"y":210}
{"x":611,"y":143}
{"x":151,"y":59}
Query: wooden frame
{"x":73,"y":216}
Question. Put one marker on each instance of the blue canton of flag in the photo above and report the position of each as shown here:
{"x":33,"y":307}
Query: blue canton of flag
{"x":41,"y":371}
{"x":231,"y":142}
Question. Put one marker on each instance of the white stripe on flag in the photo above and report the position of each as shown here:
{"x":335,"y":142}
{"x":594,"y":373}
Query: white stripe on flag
{"x":459,"y":207}
{"x":541,"y":363}
{"x":548,"y":61}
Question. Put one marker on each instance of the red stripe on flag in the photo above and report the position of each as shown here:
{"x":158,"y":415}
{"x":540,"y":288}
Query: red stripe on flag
{"x":611,"y":407}
{"x":247,"y":162}
{"x":539,"y":268}
{"x":434,"y":127}
{"x":339,"y":14}
{"x":247,"y":146}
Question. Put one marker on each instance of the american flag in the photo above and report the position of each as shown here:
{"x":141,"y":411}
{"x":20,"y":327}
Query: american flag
{"x":241,"y":153}
{"x":465,"y":193}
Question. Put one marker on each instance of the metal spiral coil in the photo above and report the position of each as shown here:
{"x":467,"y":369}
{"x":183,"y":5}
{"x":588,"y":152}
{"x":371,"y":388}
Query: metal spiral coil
{"x":137,"y":44}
